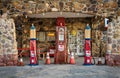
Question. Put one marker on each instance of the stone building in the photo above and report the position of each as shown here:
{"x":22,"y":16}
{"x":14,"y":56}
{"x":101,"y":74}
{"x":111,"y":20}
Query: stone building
{"x":18,"y":15}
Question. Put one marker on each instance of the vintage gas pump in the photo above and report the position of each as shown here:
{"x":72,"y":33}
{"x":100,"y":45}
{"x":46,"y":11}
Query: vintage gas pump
{"x":87,"y":48}
{"x":33,"y":57}
{"x":61,"y":42}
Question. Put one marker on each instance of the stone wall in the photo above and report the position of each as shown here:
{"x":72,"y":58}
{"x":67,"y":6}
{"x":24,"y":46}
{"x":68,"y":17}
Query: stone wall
{"x":98,"y":43}
{"x":99,"y":33}
{"x":113,"y":42}
{"x":8,"y":44}
{"x":97,"y":7}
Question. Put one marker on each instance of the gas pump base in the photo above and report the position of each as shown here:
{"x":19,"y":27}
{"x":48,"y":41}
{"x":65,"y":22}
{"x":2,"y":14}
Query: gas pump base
{"x":88,"y":64}
{"x":87,"y":38}
{"x":32,"y":64}
{"x":33,"y":39}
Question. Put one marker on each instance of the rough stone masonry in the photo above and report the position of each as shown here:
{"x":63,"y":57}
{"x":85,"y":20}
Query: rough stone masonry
{"x":113,"y":43}
{"x":8,"y":44}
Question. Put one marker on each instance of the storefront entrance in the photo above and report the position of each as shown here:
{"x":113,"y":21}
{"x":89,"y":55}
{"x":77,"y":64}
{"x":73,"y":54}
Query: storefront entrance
{"x":16,"y":18}
{"x":46,"y":34}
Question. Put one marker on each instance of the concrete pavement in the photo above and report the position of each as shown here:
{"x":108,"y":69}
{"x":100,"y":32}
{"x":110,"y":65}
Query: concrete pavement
{"x":59,"y":71}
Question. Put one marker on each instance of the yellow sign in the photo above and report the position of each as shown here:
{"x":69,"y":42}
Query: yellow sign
{"x":51,"y":34}
{"x":74,"y":33}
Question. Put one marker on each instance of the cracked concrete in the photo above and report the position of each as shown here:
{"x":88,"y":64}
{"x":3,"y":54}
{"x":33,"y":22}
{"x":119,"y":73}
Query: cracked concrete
{"x":59,"y":70}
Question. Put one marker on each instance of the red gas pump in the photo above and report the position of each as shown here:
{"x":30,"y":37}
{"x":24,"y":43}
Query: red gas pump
{"x":87,"y":57}
{"x":33,"y":56}
{"x":87,"y":48}
{"x":61,"y":42}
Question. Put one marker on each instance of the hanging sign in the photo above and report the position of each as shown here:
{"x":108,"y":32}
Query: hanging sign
{"x":106,"y":22}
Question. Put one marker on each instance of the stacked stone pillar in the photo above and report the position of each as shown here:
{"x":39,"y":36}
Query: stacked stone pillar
{"x":8,"y":44}
{"x":113,"y":43}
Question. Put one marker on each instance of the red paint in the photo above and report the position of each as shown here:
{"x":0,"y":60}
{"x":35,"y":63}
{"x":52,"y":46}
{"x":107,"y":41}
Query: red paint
{"x":60,"y":21}
{"x":87,"y":57}
{"x":61,"y":42}
{"x":33,"y":56}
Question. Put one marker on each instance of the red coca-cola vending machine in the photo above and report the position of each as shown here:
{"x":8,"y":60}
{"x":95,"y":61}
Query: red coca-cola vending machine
{"x":61,"y":54}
